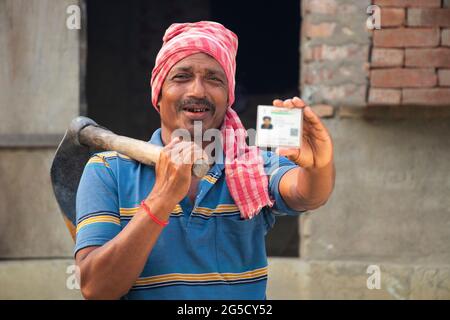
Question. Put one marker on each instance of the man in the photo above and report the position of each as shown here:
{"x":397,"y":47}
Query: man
{"x":159,"y":232}
{"x":267,"y":123}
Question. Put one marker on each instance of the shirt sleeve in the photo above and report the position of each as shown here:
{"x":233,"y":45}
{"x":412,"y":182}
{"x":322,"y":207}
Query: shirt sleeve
{"x":97,"y":208}
{"x":275,"y":167}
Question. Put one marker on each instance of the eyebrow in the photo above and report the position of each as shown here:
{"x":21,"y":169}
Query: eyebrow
{"x":185,"y":69}
{"x":208,"y":71}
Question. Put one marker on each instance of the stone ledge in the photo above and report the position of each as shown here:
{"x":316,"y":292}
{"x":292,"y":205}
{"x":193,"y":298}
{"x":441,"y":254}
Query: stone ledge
{"x":323,"y":110}
{"x":393,"y":112}
{"x":44,"y":279}
{"x":291,"y":278}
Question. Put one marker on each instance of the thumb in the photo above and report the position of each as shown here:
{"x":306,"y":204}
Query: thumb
{"x":281,"y":151}
{"x":289,"y":153}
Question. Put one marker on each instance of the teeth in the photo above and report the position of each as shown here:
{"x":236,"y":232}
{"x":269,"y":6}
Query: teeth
{"x":197,"y":110}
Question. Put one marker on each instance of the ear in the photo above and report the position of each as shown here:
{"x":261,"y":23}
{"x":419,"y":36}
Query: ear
{"x":158,"y":104}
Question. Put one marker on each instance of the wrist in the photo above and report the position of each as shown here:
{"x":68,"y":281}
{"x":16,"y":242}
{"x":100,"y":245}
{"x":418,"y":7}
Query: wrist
{"x":323,"y":165}
{"x":159,"y":205}
{"x":158,"y":220}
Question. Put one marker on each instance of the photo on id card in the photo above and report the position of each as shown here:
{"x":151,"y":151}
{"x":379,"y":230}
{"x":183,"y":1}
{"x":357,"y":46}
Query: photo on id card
{"x":278,"y":127}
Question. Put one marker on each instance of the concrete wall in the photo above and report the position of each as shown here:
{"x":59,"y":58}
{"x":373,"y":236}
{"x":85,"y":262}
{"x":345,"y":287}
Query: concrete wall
{"x":391,"y":200}
{"x":390,"y":208}
{"x":39,"y":67}
{"x":39,"y":90}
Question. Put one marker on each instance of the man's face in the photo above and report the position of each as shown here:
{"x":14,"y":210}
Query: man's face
{"x":266,"y":122}
{"x":195,"y":89}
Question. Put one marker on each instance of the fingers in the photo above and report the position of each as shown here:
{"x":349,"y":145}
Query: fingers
{"x":172,"y":143}
{"x":190,"y":156}
{"x":288,"y":103}
{"x":295,"y":102}
{"x":278,"y":103}
{"x":310,"y":116}
{"x":299,"y":103}
{"x":166,"y":151}
{"x":185,"y":153}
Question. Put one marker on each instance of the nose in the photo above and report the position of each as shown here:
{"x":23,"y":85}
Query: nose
{"x":197,"y":88}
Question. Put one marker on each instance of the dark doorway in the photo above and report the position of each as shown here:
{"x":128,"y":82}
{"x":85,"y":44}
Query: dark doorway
{"x":123,"y":38}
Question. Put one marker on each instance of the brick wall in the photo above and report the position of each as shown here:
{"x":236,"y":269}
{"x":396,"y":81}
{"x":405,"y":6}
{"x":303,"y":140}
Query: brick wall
{"x":406,"y":62}
{"x":410,"y":57}
{"x":334,"y":52}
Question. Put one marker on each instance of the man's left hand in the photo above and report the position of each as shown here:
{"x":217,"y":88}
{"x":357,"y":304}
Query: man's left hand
{"x":316,"y":150}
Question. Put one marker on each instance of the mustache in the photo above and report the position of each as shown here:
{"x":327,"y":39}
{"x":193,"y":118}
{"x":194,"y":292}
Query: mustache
{"x":196,"y":101}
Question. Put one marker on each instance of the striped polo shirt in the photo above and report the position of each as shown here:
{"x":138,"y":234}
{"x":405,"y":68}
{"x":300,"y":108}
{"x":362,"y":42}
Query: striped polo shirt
{"x":205,"y":252}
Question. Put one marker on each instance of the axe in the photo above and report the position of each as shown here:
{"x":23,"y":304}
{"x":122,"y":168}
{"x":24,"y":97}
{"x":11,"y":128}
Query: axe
{"x":84,"y":137}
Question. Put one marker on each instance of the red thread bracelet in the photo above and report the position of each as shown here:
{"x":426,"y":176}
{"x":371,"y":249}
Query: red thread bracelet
{"x":152,"y":216}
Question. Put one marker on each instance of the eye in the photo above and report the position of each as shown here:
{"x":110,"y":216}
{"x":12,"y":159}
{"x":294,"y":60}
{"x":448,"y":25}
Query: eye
{"x":181,"y":76}
{"x":216,"y":79}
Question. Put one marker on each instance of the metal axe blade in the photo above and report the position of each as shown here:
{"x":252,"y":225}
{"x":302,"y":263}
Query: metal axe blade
{"x":67,"y":168}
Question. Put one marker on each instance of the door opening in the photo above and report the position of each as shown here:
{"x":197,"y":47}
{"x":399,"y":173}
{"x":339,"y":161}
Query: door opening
{"x":123,"y":39}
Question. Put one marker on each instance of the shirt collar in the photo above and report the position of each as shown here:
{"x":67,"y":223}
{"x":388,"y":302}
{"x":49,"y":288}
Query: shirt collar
{"x":156,"y":138}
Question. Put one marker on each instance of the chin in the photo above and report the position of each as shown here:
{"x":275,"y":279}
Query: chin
{"x":189,"y":124}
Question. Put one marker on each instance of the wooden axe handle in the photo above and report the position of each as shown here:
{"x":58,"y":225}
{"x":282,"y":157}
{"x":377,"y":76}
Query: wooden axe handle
{"x":138,"y":150}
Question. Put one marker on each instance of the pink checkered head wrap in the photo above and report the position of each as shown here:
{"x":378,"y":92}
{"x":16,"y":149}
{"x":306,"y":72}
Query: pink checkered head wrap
{"x":244,"y":171}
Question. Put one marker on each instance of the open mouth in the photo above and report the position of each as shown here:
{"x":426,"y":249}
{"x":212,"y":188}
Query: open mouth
{"x":196,"y":112}
{"x":196,"y":109}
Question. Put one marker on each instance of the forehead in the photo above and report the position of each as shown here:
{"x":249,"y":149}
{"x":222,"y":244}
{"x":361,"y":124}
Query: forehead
{"x":199,"y":61}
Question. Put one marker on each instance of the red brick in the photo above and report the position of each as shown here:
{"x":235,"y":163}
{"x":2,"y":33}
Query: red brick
{"x":387,"y":57}
{"x":317,"y":75}
{"x":445,"y":37}
{"x":327,"y":52}
{"x":428,"y":17}
{"x":403,"y":78}
{"x":326,"y":7}
{"x":320,"y":30}
{"x":431,"y":97}
{"x":444,"y":77}
{"x":322,"y":73}
{"x":385,"y":96}
{"x":406,"y":37}
{"x":392,"y":17}
{"x":312,"y":53}
{"x":408,"y":3}
{"x":437,"y":57}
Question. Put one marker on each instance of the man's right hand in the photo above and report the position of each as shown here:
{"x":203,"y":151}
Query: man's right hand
{"x":173,"y":175}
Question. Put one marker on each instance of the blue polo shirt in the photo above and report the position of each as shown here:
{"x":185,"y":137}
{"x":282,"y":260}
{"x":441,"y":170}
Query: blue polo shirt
{"x":206,"y":252}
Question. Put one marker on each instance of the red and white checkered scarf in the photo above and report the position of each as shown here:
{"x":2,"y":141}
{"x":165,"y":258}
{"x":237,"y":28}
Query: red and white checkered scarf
{"x":244,"y":170}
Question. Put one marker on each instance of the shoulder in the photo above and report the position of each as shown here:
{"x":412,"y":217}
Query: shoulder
{"x":111,"y":163}
{"x":111,"y":159}
{"x":106,"y":156}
